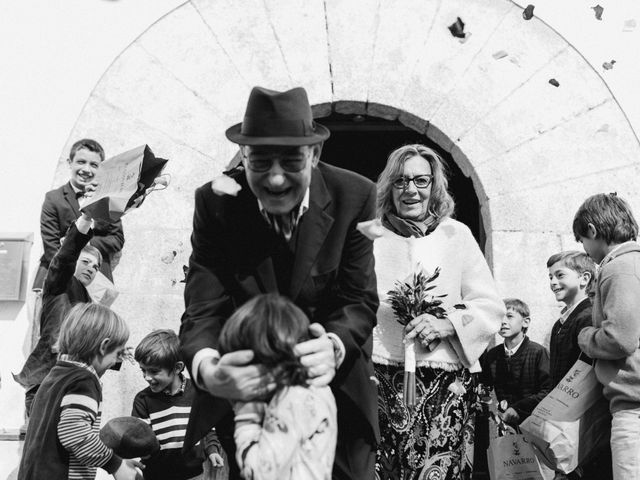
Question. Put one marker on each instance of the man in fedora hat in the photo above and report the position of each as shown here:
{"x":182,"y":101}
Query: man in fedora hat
{"x":291,"y":229}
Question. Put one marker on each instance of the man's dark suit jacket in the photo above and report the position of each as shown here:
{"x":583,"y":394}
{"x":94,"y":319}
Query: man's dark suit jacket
{"x":61,"y":291}
{"x":332,"y":280}
{"x":59,"y":210}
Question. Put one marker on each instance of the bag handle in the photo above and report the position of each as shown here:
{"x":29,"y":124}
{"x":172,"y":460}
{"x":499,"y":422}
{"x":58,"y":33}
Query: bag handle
{"x":586,"y":359}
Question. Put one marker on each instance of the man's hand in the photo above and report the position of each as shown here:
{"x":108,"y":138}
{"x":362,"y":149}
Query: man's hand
{"x":216,"y":460}
{"x":317,"y":356}
{"x":234,"y":378}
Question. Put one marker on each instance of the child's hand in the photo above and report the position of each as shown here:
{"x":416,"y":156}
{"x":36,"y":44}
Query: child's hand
{"x":510,"y":416}
{"x":129,"y":470}
{"x":216,"y":460}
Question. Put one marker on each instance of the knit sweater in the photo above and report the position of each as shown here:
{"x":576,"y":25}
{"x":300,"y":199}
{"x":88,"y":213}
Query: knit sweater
{"x":615,"y":337}
{"x":522,"y":379}
{"x":168,"y":416}
{"x":464,"y":279}
{"x":62,"y":440}
{"x":563,"y":347}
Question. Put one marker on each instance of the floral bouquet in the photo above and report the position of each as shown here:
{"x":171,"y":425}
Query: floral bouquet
{"x":409,"y":300}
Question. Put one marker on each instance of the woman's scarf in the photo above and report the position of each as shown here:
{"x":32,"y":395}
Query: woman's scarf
{"x":409,"y":228}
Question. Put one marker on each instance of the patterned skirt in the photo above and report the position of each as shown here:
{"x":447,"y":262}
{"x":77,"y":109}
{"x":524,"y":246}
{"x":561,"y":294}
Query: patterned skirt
{"x":433,"y":440}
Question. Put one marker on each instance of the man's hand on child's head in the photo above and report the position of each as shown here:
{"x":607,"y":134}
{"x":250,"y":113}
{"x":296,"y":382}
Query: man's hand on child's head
{"x":235,"y":378}
{"x":318,"y":357}
{"x":216,"y":460}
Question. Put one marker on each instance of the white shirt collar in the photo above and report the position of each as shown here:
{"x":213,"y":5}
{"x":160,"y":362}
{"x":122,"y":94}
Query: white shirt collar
{"x":512,"y":352}
{"x":566,"y":311}
{"x":304,"y":206}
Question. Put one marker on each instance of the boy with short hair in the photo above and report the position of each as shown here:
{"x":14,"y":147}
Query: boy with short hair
{"x":607,"y":229}
{"x":570,"y":273}
{"x":73,"y":268}
{"x":61,"y":208}
{"x":519,"y":369}
{"x":166,"y":404}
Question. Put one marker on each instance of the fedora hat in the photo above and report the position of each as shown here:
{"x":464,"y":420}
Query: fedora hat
{"x":277,"y":118}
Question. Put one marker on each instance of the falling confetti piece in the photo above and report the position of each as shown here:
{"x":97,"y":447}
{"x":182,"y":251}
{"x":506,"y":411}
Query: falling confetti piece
{"x":168,"y":257}
{"x":554,"y":82}
{"x":514,"y":60}
{"x":467,"y":35}
{"x":456,"y":387}
{"x":457,"y":28}
{"x":371,"y":229}
{"x":603,"y":129}
{"x":225,"y":185}
{"x":608,"y":65}
{"x":629,"y":25}
{"x":598,"y":11}
{"x":500,"y":54}
{"x":527,"y":14}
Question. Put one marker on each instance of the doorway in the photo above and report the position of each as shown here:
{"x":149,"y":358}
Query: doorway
{"x":362,"y":143}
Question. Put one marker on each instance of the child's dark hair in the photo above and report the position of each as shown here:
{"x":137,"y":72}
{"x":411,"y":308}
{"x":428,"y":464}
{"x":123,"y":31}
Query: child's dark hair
{"x":87,"y":144}
{"x":610,"y":215}
{"x":271,"y":326}
{"x":519,"y":307}
{"x":160,"y":348}
{"x":84,"y":329}
{"x":574,"y":260}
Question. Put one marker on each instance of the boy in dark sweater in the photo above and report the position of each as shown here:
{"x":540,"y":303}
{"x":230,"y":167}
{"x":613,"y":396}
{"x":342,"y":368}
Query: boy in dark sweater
{"x":165,"y":404}
{"x":570,"y":273}
{"x":518,"y":370}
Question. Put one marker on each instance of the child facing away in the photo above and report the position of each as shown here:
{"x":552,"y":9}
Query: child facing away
{"x":73,"y":267}
{"x":570,"y":273}
{"x":519,"y":368}
{"x":62,"y":440}
{"x":166,"y":404}
{"x":293,"y":434}
{"x":607,"y":229}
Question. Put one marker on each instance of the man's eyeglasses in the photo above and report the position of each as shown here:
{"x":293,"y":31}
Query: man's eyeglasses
{"x":420,"y":181}
{"x":260,"y":164}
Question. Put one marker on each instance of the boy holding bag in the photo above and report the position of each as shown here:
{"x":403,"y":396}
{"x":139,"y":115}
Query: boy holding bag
{"x":606,"y":227}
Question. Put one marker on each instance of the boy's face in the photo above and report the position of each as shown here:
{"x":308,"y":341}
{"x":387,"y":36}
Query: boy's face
{"x":512,"y":324}
{"x":84,"y":167}
{"x":160,"y":379}
{"x":566,"y":283}
{"x":86,"y":268}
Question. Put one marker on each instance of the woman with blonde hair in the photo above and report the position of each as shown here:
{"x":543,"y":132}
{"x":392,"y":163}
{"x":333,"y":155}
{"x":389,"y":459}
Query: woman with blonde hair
{"x":429,"y":439}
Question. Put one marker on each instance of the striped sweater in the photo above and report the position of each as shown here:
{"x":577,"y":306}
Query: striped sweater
{"x":168,"y":416}
{"x":62,"y":440}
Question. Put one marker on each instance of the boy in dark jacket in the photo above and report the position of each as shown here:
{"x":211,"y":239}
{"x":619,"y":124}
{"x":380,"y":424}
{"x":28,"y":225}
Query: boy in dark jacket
{"x":519,"y":368}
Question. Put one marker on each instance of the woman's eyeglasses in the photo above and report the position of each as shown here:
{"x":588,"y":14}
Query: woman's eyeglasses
{"x":420,"y":181}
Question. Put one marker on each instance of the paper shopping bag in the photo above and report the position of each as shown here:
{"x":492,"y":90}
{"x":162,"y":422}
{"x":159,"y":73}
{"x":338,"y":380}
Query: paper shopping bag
{"x":123,"y":182}
{"x":102,"y":290}
{"x":511,"y":457}
{"x":572,"y":422}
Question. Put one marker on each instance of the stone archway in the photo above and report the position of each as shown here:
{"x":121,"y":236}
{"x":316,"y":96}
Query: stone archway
{"x":533,"y":151}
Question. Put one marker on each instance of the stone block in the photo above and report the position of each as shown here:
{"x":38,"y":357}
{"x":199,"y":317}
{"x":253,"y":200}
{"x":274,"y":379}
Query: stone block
{"x":445,"y":59}
{"x":138,"y":84}
{"x":148,"y":264}
{"x":301,"y":31}
{"x":351,"y":45}
{"x":551,"y":207}
{"x":536,"y":107}
{"x":244,"y":32}
{"x":189,"y":50}
{"x":403,"y":29}
{"x":382,"y":111}
{"x":489,"y":81}
{"x":572,"y":150}
{"x":350,"y":107}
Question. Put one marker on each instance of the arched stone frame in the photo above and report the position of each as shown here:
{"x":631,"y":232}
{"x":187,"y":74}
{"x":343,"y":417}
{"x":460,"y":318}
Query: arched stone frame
{"x":523,"y":141}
